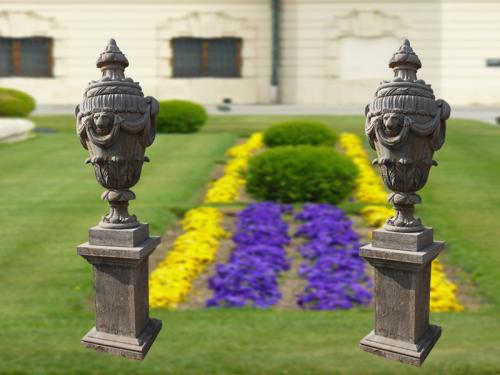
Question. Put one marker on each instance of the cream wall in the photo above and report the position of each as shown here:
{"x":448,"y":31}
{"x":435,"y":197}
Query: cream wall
{"x":452,"y":37}
{"x":470,"y":34}
{"x":314,"y":32}
{"x":333,"y":52}
{"x":142,"y":30}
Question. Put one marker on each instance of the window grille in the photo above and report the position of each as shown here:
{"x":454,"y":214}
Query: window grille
{"x":5,"y":57}
{"x":215,"y":57}
{"x":26,"y":57}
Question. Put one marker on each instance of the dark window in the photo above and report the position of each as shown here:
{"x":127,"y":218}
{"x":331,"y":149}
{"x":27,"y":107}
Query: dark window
{"x":187,"y":57}
{"x":196,"y":57}
{"x":26,"y":57}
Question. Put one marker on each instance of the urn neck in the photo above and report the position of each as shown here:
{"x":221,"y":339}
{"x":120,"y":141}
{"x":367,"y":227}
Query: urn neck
{"x":405,"y":72}
{"x":113,"y":72}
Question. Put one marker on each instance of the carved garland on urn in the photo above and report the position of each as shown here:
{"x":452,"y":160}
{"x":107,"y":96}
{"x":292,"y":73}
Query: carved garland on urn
{"x":405,"y":125}
{"x":116,"y":123}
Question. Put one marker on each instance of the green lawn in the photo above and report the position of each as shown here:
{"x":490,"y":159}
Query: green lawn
{"x":240,"y":125}
{"x":50,"y":198}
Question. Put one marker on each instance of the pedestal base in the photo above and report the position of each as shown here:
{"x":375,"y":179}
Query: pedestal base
{"x":133,"y":348}
{"x":402,"y":263}
{"x":119,"y":260}
{"x":412,"y":354}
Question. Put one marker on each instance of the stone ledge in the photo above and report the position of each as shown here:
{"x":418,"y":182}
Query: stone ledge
{"x":118,"y":237}
{"x":14,"y":129}
{"x":129,"y":347}
{"x":100,"y":253}
{"x":401,"y":259}
{"x":410,"y":241}
{"x":413,"y":354}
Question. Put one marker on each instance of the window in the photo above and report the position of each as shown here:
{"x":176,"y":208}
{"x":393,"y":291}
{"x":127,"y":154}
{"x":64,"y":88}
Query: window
{"x":196,"y":57}
{"x":26,"y":57}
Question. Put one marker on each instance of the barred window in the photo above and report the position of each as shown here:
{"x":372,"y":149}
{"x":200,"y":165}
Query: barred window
{"x":197,"y":57}
{"x":26,"y":57}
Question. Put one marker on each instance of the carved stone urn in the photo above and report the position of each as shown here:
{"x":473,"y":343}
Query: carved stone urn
{"x":115,"y":123}
{"x":405,"y":124}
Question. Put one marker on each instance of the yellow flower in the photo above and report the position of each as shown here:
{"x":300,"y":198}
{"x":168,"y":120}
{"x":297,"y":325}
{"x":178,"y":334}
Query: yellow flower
{"x":375,"y":216}
{"x":191,"y":253}
{"x":227,"y":188}
{"x":443,"y":291}
{"x":369,"y":188}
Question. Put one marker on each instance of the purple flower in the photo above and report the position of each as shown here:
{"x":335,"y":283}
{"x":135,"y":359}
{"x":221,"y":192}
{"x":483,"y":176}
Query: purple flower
{"x":250,"y":278}
{"x":334,"y":271}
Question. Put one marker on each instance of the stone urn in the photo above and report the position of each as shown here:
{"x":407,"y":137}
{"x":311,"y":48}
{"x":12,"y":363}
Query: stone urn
{"x":116,"y":123}
{"x":405,"y":124}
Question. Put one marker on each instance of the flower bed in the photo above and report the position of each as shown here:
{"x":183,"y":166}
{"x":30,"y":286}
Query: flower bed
{"x":227,"y":188}
{"x":334,"y":271}
{"x":190,"y":254}
{"x":332,"y":268}
{"x":250,"y":277}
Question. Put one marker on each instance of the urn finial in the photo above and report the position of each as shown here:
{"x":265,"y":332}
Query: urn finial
{"x":405,"y":63}
{"x":112,"y":61}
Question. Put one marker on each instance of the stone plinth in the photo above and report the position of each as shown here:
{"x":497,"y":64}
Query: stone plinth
{"x":402,"y":263}
{"x":120,"y":261}
{"x":15,"y":129}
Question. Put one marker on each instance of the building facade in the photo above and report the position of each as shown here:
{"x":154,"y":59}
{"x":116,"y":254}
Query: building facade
{"x":307,"y":52}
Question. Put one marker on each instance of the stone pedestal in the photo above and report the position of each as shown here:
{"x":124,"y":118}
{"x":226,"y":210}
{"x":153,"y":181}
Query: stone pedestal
{"x":120,"y":261}
{"x":402,"y":263}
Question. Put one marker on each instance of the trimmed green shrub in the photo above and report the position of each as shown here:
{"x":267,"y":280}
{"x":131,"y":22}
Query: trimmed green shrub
{"x":301,"y":174}
{"x":180,"y":116}
{"x":15,"y":103}
{"x":300,"y":132}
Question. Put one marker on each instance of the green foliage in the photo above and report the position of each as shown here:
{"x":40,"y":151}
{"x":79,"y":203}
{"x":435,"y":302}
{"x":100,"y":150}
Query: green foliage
{"x":15,"y":103}
{"x":301,"y":174}
{"x":180,"y":116}
{"x":300,"y":132}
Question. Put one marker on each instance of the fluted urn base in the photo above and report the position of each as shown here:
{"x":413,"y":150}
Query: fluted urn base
{"x":118,"y":216}
{"x":403,"y":220}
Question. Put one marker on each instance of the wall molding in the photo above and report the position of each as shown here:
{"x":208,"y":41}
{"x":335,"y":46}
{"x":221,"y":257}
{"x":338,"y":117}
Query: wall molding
{"x":365,"y":24}
{"x":25,"y":24}
{"x":359,"y":24}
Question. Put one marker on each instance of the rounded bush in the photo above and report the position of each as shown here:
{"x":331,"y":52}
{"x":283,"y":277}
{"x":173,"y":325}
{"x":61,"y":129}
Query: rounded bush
{"x":15,"y":103}
{"x":300,"y":132}
{"x":180,"y":116}
{"x":301,"y":174}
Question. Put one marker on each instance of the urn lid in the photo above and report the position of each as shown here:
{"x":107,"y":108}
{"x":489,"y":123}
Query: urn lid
{"x":113,"y":92}
{"x":112,"y":54}
{"x":404,"y":92}
{"x":405,"y":56}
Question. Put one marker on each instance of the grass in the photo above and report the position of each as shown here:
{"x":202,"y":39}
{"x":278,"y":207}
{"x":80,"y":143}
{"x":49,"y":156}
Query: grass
{"x":49,"y":199}
{"x":240,"y":125}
